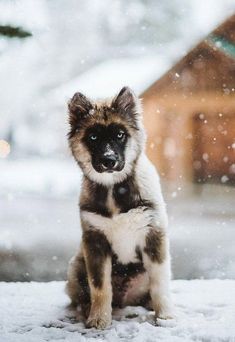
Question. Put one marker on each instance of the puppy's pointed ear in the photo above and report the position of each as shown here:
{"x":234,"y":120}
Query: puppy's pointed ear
{"x":79,"y":107}
{"x":127,"y":103}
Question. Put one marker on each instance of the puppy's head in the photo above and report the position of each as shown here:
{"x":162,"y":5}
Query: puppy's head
{"x":106,"y":138}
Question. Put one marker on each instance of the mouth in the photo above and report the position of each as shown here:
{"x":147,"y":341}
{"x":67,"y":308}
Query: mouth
{"x":118,"y":167}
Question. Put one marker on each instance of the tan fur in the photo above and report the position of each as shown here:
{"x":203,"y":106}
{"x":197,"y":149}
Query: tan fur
{"x":111,"y":204}
{"x":101,"y":306}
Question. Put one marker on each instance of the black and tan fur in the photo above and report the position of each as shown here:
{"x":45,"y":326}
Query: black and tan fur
{"x":124,"y":255}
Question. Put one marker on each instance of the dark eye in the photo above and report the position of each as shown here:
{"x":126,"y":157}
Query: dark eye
{"x":93,"y":137}
{"x":120,"y":135}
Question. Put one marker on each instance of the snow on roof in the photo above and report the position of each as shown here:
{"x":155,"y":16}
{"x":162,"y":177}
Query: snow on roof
{"x":108,"y":77}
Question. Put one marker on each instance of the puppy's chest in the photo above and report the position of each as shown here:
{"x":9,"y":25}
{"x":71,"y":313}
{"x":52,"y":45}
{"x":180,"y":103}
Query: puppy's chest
{"x":126,"y":233}
{"x":125,"y":221}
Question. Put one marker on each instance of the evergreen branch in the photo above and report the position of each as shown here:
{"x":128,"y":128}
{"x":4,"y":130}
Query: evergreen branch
{"x":12,"y":32}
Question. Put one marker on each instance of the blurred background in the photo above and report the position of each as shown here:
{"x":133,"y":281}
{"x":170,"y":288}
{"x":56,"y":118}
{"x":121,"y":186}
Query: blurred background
{"x":179,"y":56}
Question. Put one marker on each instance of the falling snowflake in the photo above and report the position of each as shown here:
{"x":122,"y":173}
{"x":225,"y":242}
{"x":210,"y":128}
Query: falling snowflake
{"x":224,"y":179}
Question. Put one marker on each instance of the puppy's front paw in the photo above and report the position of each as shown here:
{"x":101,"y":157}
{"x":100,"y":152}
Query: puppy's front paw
{"x":98,"y":321}
{"x":165,"y":312}
{"x":166,"y":315}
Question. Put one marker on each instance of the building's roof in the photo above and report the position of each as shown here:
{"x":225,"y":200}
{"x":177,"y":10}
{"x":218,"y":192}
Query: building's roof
{"x":215,"y":52}
{"x":106,"y":79}
{"x":223,"y":38}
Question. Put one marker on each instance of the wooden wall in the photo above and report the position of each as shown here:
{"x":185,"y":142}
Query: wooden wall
{"x":170,"y":124}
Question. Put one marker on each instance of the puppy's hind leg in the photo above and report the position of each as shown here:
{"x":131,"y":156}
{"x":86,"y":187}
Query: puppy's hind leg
{"x":77,"y":286}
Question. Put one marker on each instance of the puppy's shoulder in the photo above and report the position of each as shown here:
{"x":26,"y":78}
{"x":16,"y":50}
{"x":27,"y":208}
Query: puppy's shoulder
{"x":147,"y":176}
{"x":149,"y":186}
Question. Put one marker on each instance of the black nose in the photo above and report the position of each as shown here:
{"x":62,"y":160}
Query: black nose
{"x":108,"y":161}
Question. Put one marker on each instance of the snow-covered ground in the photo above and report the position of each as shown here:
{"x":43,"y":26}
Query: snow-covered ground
{"x":38,"y":312}
{"x":202,"y":232}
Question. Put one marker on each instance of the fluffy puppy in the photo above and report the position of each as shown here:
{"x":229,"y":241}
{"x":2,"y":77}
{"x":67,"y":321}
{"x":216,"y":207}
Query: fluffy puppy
{"x":124,"y":256}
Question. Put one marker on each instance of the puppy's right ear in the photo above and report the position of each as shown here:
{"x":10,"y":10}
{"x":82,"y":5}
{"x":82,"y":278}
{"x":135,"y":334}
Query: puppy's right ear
{"x":79,"y":107}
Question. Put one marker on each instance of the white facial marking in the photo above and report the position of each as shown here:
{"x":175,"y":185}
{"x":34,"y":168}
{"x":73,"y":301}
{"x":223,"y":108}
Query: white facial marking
{"x":109,"y":151}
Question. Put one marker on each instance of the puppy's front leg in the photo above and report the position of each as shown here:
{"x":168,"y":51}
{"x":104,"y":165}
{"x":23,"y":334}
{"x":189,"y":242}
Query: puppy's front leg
{"x":97,"y":253}
{"x":156,"y":259}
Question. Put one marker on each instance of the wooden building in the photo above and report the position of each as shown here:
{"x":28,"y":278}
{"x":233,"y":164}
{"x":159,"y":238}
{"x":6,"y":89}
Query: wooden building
{"x":190,"y":112}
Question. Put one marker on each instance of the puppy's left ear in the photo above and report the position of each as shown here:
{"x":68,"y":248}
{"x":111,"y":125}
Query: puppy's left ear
{"x":127,"y":103}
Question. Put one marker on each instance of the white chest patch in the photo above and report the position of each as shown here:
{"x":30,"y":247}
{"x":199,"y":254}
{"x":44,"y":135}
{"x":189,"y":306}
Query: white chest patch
{"x":124,"y":231}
